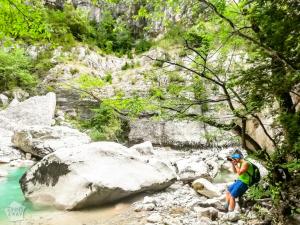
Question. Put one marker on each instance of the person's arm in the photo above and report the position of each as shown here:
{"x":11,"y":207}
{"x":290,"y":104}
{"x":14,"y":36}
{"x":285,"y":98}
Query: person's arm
{"x":243,"y":169}
{"x":233,"y":166}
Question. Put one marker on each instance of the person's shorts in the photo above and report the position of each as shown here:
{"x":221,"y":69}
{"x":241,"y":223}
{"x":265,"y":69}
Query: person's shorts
{"x":237,"y":189}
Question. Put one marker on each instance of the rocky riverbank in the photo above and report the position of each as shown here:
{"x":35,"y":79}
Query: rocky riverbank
{"x":68,"y":171}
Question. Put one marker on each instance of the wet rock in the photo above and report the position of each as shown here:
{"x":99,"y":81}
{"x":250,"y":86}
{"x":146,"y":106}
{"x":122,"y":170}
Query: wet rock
{"x":21,"y":163}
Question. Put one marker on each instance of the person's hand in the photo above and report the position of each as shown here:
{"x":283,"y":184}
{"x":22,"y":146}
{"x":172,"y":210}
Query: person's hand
{"x":234,"y":162}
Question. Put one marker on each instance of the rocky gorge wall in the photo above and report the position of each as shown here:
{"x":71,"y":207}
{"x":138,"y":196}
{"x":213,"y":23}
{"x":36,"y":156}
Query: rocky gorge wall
{"x":135,"y":80}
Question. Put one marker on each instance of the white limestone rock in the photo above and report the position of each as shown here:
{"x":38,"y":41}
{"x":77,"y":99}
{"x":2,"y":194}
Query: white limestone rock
{"x":43,"y":140}
{"x":206,"y":188}
{"x":92,"y":174}
{"x":38,"y":110}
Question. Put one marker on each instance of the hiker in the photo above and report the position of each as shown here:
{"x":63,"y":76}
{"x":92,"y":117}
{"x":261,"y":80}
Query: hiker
{"x":244,"y":169}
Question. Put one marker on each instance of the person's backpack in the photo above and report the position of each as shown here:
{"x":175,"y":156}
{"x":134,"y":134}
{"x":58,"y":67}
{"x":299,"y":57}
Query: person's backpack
{"x":255,"y":177}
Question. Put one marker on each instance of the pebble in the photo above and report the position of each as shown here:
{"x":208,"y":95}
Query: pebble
{"x":149,"y":207}
{"x":231,"y":216}
{"x":154,"y":218}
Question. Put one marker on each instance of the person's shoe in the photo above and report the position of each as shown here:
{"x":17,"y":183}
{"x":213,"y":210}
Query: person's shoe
{"x":230,"y":210}
{"x":226,"y":205}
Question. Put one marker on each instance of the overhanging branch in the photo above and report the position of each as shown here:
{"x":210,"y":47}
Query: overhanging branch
{"x":271,"y":52}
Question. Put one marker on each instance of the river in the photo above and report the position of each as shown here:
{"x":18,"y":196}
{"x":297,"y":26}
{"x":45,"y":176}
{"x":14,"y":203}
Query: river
{"x":12,"y":198}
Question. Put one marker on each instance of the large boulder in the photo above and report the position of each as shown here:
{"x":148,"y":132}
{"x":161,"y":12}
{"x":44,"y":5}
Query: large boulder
{"x":92,"y":174}
{"x":42,"y":140}
{"x":144,"y":148}
{"x":206,"y":188}
{"x":38,"y":110}
{"x":7,"y":151}
{"x":192,"y":168}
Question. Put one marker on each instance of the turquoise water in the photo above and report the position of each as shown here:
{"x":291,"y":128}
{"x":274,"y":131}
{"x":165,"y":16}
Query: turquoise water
{"x":10,"y":192}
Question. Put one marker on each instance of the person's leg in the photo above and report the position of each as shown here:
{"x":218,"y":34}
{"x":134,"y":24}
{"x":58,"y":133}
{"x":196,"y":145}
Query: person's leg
{"x":231,"y":204}
{"x":238,"y":190}
{"x":228,"y":196}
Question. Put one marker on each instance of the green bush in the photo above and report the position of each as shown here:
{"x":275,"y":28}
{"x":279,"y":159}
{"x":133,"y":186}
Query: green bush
{"x":65,"y":27}
{"x":105,"y":124}
{"x":43,"y":63}
{"x":108,"y":78}
{"x":15,"y":70}
{"x":257,"y":192}
{"x":113,"y":35}
{"x":69,"y":25}
{"x":142,"y":45}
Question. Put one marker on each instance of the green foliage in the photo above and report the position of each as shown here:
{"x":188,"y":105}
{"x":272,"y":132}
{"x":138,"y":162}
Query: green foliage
{"x":105,"y":124}
{"x":160,"y":61}
{"x":157,"y":93}
{"x":257,"y":192}
{"x":291,"y":124}
{"x":86,"y":82}
{"x":108,"y":78}
{"x":173,"y":37}
{"x":127,"y":66}
{"x":15,"y":70}
{"x":69,"y":25}
{"x":113,"y":35}
{"x":32,"y":22}
{"x":25,"y":21}
{"x":42,"y":64}
{"x":175,"y":77}
{"x":292,"y":166}
{"x":142,"y":45}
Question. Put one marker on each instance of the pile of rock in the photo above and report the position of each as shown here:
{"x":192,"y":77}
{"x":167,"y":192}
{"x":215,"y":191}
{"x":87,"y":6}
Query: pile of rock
{"x":181,"y":205}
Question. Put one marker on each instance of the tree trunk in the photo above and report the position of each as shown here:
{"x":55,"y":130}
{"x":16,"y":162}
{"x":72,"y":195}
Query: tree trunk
{"x":243,"y":136}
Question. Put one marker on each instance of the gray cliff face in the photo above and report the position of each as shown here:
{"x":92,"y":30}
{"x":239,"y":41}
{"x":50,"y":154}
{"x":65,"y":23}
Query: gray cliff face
{"x":178,"y":134}
{"x":130,"y":82}
{"x":122,"y":9}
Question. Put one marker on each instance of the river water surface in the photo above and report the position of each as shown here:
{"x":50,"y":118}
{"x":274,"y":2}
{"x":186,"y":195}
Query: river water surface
{"x":11,"y":196}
